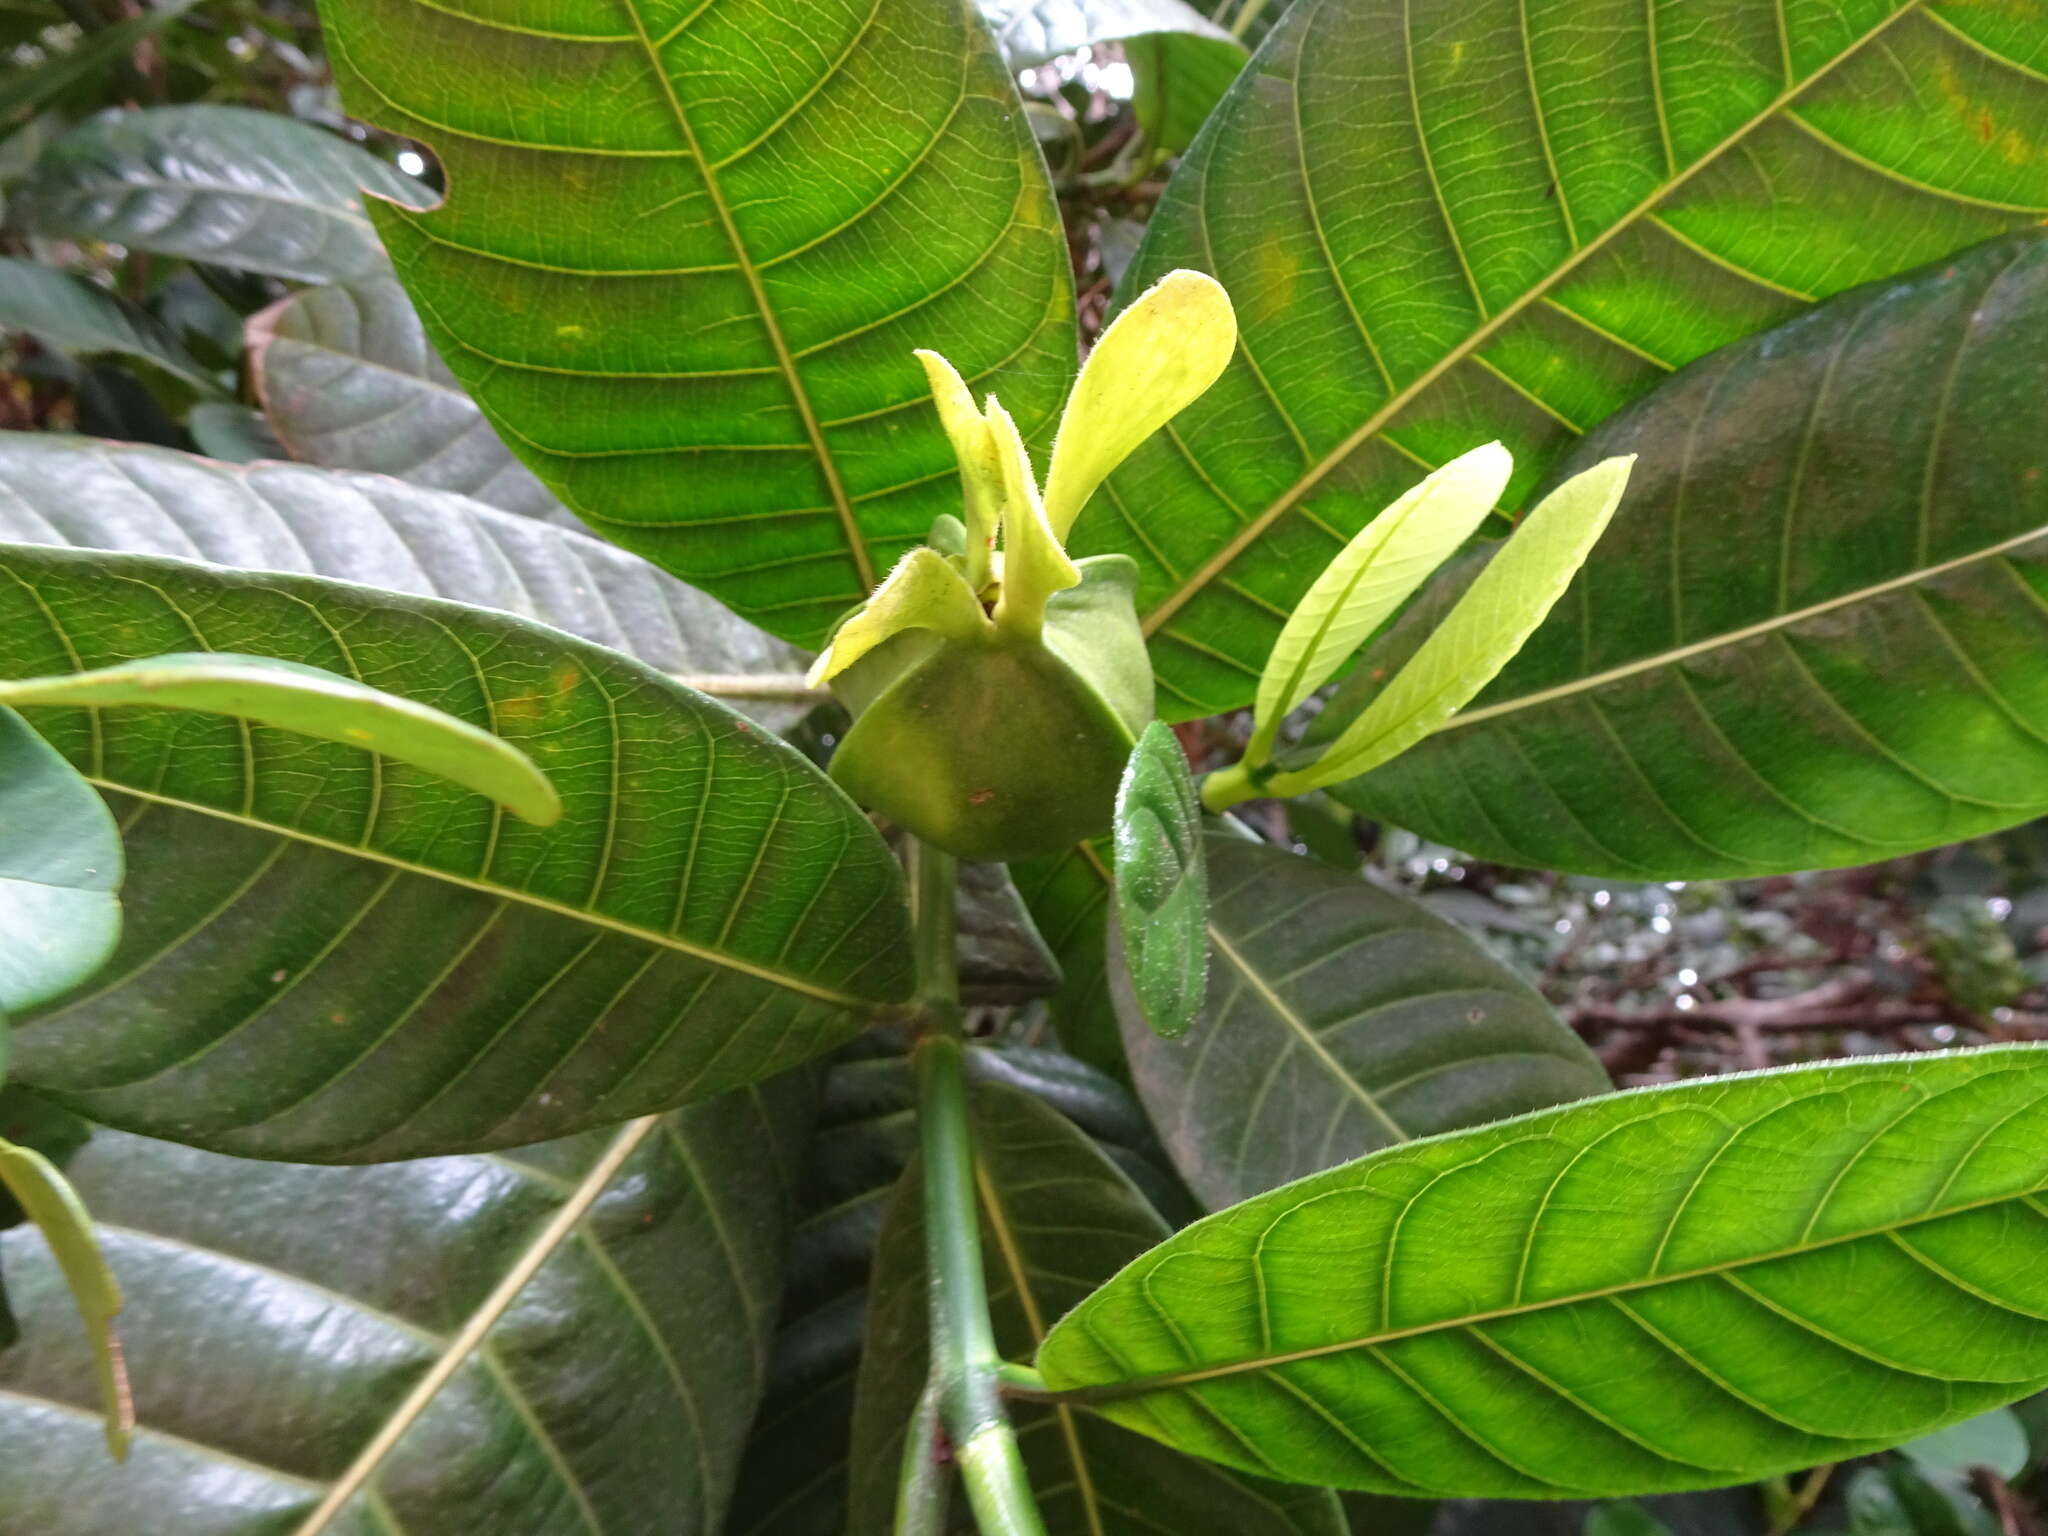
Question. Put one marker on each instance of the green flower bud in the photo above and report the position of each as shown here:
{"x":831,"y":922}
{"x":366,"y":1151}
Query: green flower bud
{"x":997,"y":695}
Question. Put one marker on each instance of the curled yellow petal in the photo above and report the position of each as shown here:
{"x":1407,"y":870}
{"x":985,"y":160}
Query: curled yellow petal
{"x":922,"y":592}
{"x":981,"y":472}
{"x":1155,"y":359}
{"x":1034,"y":564}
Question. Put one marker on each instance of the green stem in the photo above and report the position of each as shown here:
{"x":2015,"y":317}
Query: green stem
{"x":965,"y":1363}
{"x":921,"y":1490}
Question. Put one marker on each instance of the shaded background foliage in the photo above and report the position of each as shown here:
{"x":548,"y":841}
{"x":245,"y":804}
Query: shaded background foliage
{"x":213,"y":349}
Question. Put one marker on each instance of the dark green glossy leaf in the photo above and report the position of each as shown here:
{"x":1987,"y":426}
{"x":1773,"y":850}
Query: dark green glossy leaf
{"x":253,"y":191}
{"x":1056,"y":1219}
{"x":60,"y":867}
{"x":73,"y":314}
{"x":1162,"y":885}
{"x":311,"y":702}
{"x":1342,"y":1018}
{"x":1673,"y":1288}
{"x":350,"y":381}
{"x":1897,"y":1500}
{"x":704,"y":346}
{"x":1817,"y":632}
{"x":1447,"y":221}
{"x":232,"y":433}
{"x":1068,"y":897}
{"x":1002,"y":957}
{"x":372,"y":530}
{"x":1626,"y":1518}
{"x":333,"y":957}
{"x":572,"y":1342}
{"x":793,"y":1479}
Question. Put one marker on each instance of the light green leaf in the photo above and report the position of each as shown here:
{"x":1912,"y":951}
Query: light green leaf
{"x":1678,"y":1287}
{"x":73,"y":314}
{"x":337,"y":957}
{"x":1818,"y":633}
{"x":1056,"y":1218}
{"x":1154,"y":360}
{"x":312,"y":702}
{"x":60,"y":866}
{"x":1448,"y":221}
{"x":685,"y":257}
{"x":292,"y":1379}
{"x":373,"y":531}
{"x":1370,"y":579}
{"x":1997,"y":1440}
{"x":254,"y":191}
{"x":982,"y":489}
{"x":1341,"y":1018}
{"x":66,"y":1226}
{"x":1480,"y":635}
{"x":349,"y":380}
{"x":1162,"y":885}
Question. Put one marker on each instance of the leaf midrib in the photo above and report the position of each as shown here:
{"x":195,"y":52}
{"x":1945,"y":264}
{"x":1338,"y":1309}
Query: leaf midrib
{"x":1772,"y":625}
{"x":743,"y":258}
{"x":503,"y":893}
{"x":1199,"y":580}
{"x":546,"y":1242}
{"x":1110,"y":1392}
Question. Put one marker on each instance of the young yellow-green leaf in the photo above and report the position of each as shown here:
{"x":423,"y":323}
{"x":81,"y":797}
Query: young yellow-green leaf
{"x":922,"y":592}
{"x":1156,"y":358}
{"x":1371,"y":577}
{"x":1034,"y":565}
{"x":66,"y":1226}
{"x":316,"y":703}
{"x":60,"y":865}
{"x":1479,"y":636}
{"x":1162,"y":884}
{"x":1679,"y":1287}
{"x":981,"y":466}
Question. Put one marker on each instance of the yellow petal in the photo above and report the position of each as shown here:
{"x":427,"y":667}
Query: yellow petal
{"x":981,"y":471}
{"x":1153,"y":361}
{"x":1034,"y":565}
{"x":922,"y":592}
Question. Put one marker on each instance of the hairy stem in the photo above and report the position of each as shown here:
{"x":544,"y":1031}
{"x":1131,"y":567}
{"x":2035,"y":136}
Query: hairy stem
{"x":965,"y":1364}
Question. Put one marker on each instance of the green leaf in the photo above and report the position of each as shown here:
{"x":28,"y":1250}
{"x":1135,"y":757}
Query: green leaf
{"x":575,"y":1337}
{"x":233,"y":433}
{"x":1896,"y":1500}
{"x":641,"y":269}
{"x":60,"y":866}
{"x":313,"y":702}
{"x":1818,"y":633}
{"x":376,"y":532}
{"x":25,"y":89}
{"x":1003,"y":960}
{"x":1056,"y":1218}
{"x":349,"y":380}
{"x":334,"y":957}
{"x":1180,"y":76}
{"x":1996,"y":1440}
{"x":74,"y":314}
{"x":65,"y":1226}
{"x":1673,"y":1288}
{"x":252,"y":191}
{"x":1490,"y":622}
{"x":1370,"y":579}
{"x":793,"y":1479}
{"x":1068,"y":898}
{"x":1452,"y":221}
{"x":1341,"y":1019}
{"x":1627,"y":1518}
{"x":1162,"y":885}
